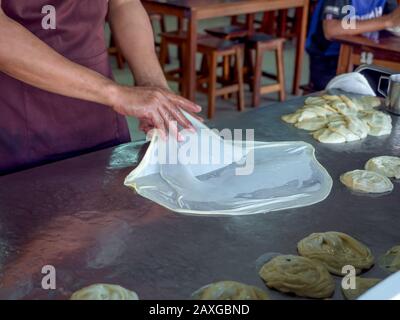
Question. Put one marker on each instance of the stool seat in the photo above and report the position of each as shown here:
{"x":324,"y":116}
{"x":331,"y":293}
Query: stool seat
{"x":228,"y":32}
{"x":251,"y":41}
{"x":210,"y":43}
{"x":174,"y":35}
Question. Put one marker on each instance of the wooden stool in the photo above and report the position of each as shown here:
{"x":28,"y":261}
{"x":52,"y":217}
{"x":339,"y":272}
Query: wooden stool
{"x":178,"y":38}
{"x":261,"y":43}
{"x":214,"y":48}
{"x":232,"y":32}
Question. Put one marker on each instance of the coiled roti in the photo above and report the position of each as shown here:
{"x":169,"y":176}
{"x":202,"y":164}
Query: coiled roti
{"x":362,"y":285}
{"x":229,"y":290}
{"x":366,"y":181}
{"x":104,"y":292}
{"x":336,"y":250}
{"x":299,"y":275}
{"x":390,"y":261}
{"x":385,"y":165}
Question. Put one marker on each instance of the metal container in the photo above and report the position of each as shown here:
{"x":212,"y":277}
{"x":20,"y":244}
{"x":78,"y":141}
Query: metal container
{"x":392,"y":94}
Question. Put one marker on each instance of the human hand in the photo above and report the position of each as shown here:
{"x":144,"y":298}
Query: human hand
{"x":394,"y":18}
{"x":155,"y":108}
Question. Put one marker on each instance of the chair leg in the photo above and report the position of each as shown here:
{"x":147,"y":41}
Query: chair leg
{"x":281,"y":72}
{"x":225,"y":72}
{"x":257,"y":77}
{"x":248,"y":67}
{"x":181,"y":59}
{"x":212,"y":84}
{"x":163,"y":53}
{"x":239,"y":75}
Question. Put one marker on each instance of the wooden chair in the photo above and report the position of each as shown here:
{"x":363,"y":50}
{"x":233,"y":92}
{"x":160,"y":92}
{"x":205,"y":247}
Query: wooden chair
{"x":261,"y":43}
{"x":158,"y":18}
{"x":179,"y":39}
{"x":213,"y":49}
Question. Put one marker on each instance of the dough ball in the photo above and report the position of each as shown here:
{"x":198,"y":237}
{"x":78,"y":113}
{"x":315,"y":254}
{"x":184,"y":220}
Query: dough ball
{"x":379,"y":123}
{"x":368,"y":102}
{"x":312,"y":124}
{"x":357,"y":126}
{"x":390,"y":261}
{"x":366,"y":181}
{"x":340,"y":127}
{"x":299,"y":275}
{"x":326,"y":135}
{"x":291,"y":118}
{"x":104,"y":292}
{"x":385,"y":165}
{"x":351,"y":104}
{"x":343,"y":108}
{"x":336,"y":250}
{"x":229,"y":290}
{"x":315,"y":101}
{"x":362,"y":286}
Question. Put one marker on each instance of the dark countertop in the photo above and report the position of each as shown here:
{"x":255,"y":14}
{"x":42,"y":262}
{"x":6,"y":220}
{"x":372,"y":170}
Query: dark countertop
{"x":79,"y":217}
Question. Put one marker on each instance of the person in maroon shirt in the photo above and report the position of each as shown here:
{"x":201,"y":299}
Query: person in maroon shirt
{"x":58,"y":98}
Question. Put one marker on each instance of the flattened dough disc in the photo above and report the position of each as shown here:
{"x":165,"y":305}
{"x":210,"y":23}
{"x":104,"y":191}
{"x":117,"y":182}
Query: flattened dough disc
{"x":336,"y":250}
{"x":366,"y":181}
{"x":104,"y":292}
{"x":229,"y":290}
{"x":299,"y":275}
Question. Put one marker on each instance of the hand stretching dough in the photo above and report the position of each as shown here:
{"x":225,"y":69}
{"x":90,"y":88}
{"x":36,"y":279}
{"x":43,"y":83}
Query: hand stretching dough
{"x":362,"y":286}
{"x":229,"y":290}
{"x":104,"y":292}
{"x":366,"y":181}
{"x":335,"y":250}
{"x":390,"y":261}
{"x":299,"y":275}
{"x":386,"y":165}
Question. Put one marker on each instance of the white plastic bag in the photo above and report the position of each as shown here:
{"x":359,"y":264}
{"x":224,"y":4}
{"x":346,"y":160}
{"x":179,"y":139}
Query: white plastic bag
{"x":352,"y":82}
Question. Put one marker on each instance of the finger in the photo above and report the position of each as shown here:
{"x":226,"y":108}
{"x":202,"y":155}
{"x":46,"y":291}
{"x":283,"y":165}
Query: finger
{"x":196,"y":116}
{"x":184,"y":103}
{"x":171,"y":122}
{"x":159,"y":124}
{"x":180,"y":117}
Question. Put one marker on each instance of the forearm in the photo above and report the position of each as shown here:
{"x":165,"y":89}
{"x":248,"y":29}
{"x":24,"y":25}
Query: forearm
{"x":334,"y":28}
{"x":133,"y":32}
{"x":25,"y":57}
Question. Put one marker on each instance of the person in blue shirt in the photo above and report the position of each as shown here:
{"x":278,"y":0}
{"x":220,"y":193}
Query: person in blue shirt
{"x":334,"y":18}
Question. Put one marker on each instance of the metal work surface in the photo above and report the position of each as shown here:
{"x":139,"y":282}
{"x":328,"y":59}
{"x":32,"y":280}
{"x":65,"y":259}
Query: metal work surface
{"x":79,"y":217}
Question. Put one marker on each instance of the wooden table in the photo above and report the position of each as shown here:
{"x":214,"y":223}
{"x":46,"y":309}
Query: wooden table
{"x":196,"y":10}
{"x":356,"y":50}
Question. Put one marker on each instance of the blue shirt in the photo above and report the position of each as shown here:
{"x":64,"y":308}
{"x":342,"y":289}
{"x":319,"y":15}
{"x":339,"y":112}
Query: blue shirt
{"x":317,"y":44}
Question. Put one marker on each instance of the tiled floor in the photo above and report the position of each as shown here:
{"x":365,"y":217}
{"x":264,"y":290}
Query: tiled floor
{"x":224,"y":107}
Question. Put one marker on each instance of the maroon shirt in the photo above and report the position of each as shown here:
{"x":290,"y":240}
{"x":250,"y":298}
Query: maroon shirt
{"x":37,"y":126}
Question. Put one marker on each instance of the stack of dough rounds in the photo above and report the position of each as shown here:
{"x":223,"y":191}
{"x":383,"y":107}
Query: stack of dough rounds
{"x":366,"y":181}
{"x":299,"y":275}
{"x":336,"y":250}
{"x":362,"y":286}
{"x":390,"y":261}
{"x":339,"y":119}
{"x":104,"y":292}
{"x":385,"y":165}
{"x":229,"y":290}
